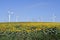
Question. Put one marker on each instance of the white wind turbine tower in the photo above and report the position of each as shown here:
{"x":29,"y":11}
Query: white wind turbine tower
{"x":17,"y":18}
{"x":9,"y":15}
{"x":53,"y":18}
{"x":40,"y":19}
{"x":34,"y":20}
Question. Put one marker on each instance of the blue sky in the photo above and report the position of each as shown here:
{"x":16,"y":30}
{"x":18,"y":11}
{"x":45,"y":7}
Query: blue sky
{"x":30,"y":10}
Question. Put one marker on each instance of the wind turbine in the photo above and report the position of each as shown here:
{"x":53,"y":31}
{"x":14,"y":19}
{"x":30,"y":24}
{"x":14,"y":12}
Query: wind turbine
{"x":9,"y":15}
{"x":34,"y":20}
{"x":54,"y":18}
{"x":17,"y":18}
{"x":40,"y":19}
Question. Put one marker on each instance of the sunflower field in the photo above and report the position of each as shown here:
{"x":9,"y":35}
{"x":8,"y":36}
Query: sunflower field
{"x":30,"y":31}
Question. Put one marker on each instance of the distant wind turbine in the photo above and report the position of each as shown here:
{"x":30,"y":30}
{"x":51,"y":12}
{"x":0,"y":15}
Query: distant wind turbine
{"x":9,"y":15}
{"x":40,"y":19}
{"x":33,"y":20}
{"x":53,"y":18}
{"x":17,"y":18}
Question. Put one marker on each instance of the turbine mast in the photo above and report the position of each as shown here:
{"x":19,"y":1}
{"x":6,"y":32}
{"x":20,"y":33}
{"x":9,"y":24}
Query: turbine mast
{"x":9,"y":15}
{"x":54,"y":18}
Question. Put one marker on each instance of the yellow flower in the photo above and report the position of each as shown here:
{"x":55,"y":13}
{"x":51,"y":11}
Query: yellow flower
{"x":28,"y":30}
{"x":18,"y":30}
{"x":38,"y":29}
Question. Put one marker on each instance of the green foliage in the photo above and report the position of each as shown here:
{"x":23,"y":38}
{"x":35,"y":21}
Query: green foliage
{"x":47,"y":34}
{"x":43,"y":34}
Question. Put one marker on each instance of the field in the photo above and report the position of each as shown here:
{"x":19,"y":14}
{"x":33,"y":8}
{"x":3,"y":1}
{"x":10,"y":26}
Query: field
{"x":30,"y":31}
